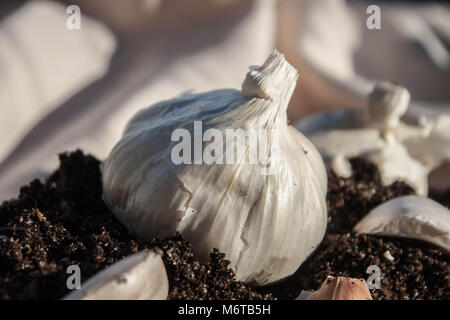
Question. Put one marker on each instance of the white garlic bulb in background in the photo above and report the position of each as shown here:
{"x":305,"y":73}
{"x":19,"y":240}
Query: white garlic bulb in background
{"x":351,"y":132}
{"x":386,"y":104}
{"x":267,"y":217}
{"x":141,"y":276}
{"x":398,"y":149}
{"x":409,"y":217}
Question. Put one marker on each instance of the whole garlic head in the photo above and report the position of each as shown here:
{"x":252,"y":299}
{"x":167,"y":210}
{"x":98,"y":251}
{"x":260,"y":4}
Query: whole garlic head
{"x":267,"y":217}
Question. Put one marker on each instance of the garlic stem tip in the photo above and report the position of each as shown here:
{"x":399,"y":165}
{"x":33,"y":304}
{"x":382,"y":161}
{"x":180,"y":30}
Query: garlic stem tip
{"x":275,"y":80}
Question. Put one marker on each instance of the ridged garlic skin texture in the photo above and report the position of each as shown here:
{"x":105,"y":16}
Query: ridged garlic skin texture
{"x":266,"y":225}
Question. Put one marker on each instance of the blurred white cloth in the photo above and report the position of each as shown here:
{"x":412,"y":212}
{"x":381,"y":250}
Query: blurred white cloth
{"x":42,"y":64}
{"x":400,"y":53}
{"x":214,"y":52}
{"x":141,"y":74}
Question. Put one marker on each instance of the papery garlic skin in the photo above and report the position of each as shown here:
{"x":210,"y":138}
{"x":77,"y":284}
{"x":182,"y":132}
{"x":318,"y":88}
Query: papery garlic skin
{"x":141,"y":276}
{"x":339,"y":288}
{"x":412,"y":217}
{"x":265,"y":224}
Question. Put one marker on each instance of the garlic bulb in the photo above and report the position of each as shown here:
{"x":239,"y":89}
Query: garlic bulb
{"x":339,"y":288}
{"x":353,"y":131}
{"x":141,"y":276}
{"x":376,"y":132}
{"x":410,"y":217}
{"x":266,"y":216}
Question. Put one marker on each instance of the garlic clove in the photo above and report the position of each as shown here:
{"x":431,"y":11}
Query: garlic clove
{"x":410,"y":217}
{"x":141,"y":276}
{"x":339,"y":288}
{"x":266,"y":223}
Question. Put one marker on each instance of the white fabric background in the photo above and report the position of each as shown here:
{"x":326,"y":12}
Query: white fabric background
{"x":64,"y":90}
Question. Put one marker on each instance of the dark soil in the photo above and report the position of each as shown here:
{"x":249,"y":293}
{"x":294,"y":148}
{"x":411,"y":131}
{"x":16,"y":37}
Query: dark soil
{"x":418,"y":271}
{"x":64,"y":221}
